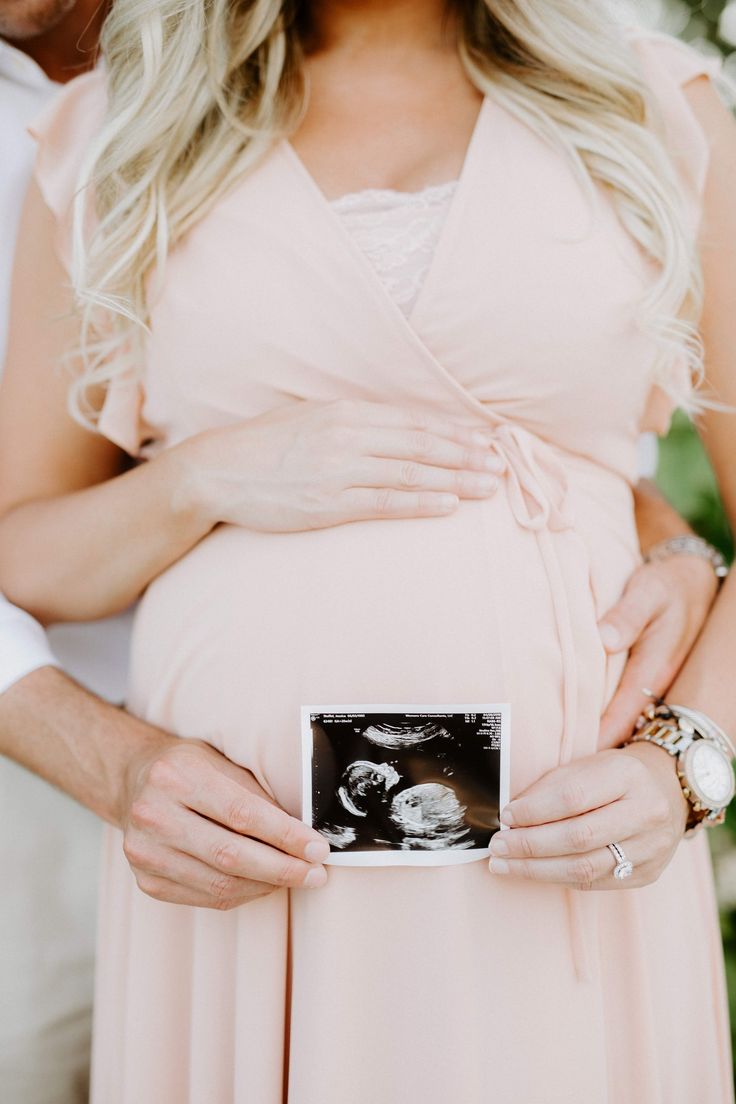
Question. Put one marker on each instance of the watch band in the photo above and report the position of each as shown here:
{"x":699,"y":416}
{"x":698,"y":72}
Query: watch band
{"x":689,"y":545}
{"x":702,"y":725}
{"x":665,"y":734}
{"x":688,"y":722}
{"x":675,"y":729}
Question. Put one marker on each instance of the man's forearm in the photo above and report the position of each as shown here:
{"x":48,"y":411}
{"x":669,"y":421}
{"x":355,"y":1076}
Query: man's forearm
{"x":77,"y":742}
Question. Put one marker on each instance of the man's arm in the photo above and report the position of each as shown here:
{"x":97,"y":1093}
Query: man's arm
{"x":198,"y":829}
{"x":76,"y":741}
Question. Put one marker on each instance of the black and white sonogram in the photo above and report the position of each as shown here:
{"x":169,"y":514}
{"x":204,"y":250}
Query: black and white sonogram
{"x":405,"y":785}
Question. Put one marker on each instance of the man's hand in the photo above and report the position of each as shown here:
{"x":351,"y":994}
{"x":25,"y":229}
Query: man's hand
{"x":199,"y":830}
{"x":658,"y":618}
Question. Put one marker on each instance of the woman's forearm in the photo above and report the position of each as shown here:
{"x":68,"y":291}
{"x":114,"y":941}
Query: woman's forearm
{"x":91,"y":553}
{"x":656,"y":519}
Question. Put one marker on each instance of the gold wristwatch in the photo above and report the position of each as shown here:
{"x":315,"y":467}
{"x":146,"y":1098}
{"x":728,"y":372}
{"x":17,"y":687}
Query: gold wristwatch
{"x":703,"y":753}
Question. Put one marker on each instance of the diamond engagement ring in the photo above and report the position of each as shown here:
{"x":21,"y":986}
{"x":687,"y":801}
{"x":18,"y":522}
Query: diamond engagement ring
{"x":624,"y":867}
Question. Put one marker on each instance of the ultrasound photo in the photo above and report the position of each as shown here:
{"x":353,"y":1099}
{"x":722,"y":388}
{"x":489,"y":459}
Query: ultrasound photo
{"x":405,"y":785}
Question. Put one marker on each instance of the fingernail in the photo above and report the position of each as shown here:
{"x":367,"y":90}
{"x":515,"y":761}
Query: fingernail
{"x":610,"y":637}
{"x":317,"y":851}
{"x":507,"y":817}
{"x":492,"y":463}
{"x":499,"y":845}
{"x":498,"y":866}
{"x":315,"y":878}
{"x":448,"y":502}
{"x":479,"y":437}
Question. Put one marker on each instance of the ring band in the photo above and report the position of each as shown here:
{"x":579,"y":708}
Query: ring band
{"x":624,"y":867}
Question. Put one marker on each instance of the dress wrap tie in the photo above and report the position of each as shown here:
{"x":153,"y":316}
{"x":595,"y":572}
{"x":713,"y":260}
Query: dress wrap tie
{"x":537,"y":480}
{"x":537,"y":488}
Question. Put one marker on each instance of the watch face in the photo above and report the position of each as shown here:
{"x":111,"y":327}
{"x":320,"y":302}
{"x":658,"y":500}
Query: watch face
{"x":709,"y":774}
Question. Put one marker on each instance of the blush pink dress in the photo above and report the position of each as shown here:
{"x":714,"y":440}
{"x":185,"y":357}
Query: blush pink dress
{"x":400,"y":984}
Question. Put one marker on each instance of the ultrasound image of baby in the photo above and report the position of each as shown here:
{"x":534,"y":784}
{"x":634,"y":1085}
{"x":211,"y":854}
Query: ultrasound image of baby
{"x":403,"y":782}
{"x":428,"y":816}
{"x":431,"y":817}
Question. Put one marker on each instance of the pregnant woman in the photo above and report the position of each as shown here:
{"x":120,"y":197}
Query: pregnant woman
{"x":426,"y":269}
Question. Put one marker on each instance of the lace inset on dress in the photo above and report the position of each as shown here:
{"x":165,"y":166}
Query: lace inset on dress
{"x":398,"y":232}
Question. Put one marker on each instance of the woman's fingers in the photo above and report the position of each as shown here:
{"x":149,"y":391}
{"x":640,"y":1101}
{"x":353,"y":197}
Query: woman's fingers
{"x":299,"y":468}
{"x":572,"y":790}
{"x":627,"y":619}
{"x":658,"y":618}
{"x":414,"y":419}
{"x":413,"y":475}
{"x":408,"y":475}
{"x":642,"y":621}
{"x":648,"y":668}
{"x":375,"y":503}
{"x":576,"y":836}
{"x":591,"y":870}
{"x":427,"y":448}
{"x":647,"y":819}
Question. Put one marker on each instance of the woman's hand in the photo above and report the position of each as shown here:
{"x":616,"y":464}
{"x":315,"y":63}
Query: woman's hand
{"x":560,"y":827}
{"x":311,"y":465}
{"x":658,"y":618}
{"x":199,"y":830}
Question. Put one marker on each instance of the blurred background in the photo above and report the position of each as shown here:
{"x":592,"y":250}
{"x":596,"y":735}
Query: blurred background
{"x":684,"y":474}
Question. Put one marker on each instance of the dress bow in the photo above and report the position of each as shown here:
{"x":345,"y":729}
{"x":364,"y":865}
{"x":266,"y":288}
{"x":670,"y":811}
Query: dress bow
{"x":537,"y":480}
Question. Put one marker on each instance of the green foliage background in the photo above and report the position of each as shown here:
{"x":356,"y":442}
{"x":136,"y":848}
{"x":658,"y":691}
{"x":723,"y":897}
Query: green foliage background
{"x":686,"y":478}
{"x":703,"y":20}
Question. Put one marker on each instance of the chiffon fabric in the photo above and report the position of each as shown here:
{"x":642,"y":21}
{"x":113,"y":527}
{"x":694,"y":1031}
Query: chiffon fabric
{"x":398,"y":984}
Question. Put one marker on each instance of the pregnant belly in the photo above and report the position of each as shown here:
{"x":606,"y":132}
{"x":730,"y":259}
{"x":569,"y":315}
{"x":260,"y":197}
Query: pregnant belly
{"x":236,"y":636}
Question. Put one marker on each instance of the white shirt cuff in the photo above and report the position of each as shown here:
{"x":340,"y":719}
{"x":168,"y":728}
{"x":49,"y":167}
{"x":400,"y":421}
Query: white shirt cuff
{"x":23,"y":646}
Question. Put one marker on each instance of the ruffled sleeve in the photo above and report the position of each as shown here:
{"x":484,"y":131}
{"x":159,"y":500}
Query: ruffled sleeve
{"x":123,"y":422}
{"x":63,"y":132}
{"x":668,"y":65}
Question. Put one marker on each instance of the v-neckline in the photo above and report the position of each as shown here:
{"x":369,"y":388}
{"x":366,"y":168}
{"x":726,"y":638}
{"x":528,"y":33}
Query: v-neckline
{"x":447,"y":232}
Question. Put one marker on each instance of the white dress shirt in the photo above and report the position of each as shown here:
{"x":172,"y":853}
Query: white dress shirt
{"x":23,"y":646}
{"x":49,"y":846}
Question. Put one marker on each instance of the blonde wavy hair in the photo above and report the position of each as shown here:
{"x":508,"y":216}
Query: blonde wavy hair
{"x":198,"y":90}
